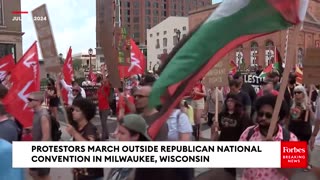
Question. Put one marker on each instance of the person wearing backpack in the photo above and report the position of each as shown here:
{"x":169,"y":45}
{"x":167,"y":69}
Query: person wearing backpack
{"x":264,"y":107}
{"x":41,"y":129}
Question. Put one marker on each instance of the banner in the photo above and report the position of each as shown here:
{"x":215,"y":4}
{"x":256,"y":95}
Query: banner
{"x":160,"y":154}
{"x":254,"y":80}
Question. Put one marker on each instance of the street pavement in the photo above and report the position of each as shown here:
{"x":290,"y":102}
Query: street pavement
{"x":200,"y":173}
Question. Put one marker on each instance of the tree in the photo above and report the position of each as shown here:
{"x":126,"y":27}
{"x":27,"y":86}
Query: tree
{"x":77,"y":64}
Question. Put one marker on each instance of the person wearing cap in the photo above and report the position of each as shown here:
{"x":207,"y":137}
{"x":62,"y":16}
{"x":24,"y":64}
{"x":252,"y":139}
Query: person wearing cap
{"x":6,"y":169}
{"x":83,"y":111}
{"x":41,"y":129}
{"x":132,"y":127}
{"x":70,"y":88}
{"x":267,"y":88}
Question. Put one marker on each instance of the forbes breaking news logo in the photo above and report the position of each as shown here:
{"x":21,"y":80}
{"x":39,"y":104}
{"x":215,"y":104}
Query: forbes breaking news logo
{"x":294,"y":154}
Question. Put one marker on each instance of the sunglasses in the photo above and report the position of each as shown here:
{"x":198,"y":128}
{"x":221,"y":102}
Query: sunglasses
{"x":139,"y":96}
{"x":267,"y":114}
{"x":30,"y":99}
{"x":297,"y":92}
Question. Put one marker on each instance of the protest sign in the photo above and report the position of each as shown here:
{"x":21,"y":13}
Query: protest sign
{"x":311,"y":66}
{"x":46,"y":40}
{"x":254,"y":80}
{"x":218,"y":75}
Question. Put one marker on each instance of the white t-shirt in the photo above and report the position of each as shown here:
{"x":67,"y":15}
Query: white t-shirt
{"x":178,"y":122}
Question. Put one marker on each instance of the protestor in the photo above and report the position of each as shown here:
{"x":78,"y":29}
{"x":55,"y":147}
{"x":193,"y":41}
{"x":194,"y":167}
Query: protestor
{"x":132,"y":127}
{"x":316,"y":125}
{"x":245,"y":87}
{"x":7,"y":172}
{"x":275,"y":77}
{"x":210,"y":104}
{"x":41,"y":130}
{"x":231,"y":123}
{"x":83,"y":112}
{"x":297,"y":124}
{"x":103,"y":104}
{"x":242,"y":96}
{"x":70,"y":88}
{"x":198,"y":94}
{"x":179,"y":127}
{"x":289,"y":93}
{"x":53,"y":98}
{"x":265,"y":106}
{"x":267,"y":88}
{"x":9,"y":130}
{"x":142,"y":107}
{"x":189,"y":111}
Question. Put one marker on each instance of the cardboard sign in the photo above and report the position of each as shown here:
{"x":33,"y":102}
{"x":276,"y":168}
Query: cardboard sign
{"x":311,"y":66}
{"x":46,"y":40}
{"x":123,"y":46}
{"x":218,"y":75}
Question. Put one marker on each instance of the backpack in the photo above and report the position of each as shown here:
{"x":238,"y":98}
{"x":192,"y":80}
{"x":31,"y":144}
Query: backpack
{"x":285,"y":134}
{"x":55,"y":129}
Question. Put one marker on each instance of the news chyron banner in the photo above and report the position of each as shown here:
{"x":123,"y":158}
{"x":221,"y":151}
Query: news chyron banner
{"x":160,"y":154}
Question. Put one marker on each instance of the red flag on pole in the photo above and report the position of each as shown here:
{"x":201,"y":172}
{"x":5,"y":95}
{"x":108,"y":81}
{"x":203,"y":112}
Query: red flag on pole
{"x":6,"y":65}
{"x":138,"y":62}
{"x":67,"y":74}
{"x":25,"y":78}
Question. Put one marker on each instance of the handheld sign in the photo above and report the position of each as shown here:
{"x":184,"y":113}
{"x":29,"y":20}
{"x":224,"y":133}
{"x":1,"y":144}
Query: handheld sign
{"x":46,"y":40}
{"x":311,"y":66}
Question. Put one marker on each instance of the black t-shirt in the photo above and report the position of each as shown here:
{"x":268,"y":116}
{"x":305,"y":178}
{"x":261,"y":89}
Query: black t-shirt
{"x":244,"y":98}
{"x":233,"y":125}
{"x":247,"y":88}
{"x":288,"y":95}
{"x":88,"y":173}
{"x":298,"y":125}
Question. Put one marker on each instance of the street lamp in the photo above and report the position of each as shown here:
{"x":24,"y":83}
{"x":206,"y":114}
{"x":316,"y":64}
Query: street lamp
{"x":61,"y":58}
{"x":90,"y":52}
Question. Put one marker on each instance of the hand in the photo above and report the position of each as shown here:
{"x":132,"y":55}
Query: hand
{"x":70,"y":129}
{"x":215,"y":126}
{"x":312,"y":141}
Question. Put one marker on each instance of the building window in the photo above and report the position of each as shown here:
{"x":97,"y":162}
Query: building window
{"x":155,"y":12}
{"x":128,"y":4}
{"x":157,"y":34}
{"x":239,"y":56}
{"x":148,"y":4}
{"x":254,"y":53}
{"x":155,"y":5}
{"x":175,"y":40}
{"x":165,"y":42}
{"x":136,"y":12}
{"x":158,"y":44}
{"x":136,"y":27}
{"x":184,"y":28}
{"x":136,"y":19}
{"x":300,"y":57}
{"x":164,"y":32}
{"x":150,"y":35}
{"x":148,"y":11}
{"x":6,"y":49}
{"x":184,"y":36}
{"x":136,"y":35}
{"x":269,"y":52}
{"x":136,"y":4}
{"x":155,"y":20}
{"x":1,"y":13}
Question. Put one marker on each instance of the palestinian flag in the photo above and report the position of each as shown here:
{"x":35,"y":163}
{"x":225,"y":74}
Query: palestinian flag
{"x":217,"y":36}
{"x":233,"y":67}
{"x":299,"y":75}
{"x":266,"y":71}
{"x":277,"y":61}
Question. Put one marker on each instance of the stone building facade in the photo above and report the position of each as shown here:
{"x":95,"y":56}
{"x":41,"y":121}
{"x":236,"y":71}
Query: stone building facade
{"x":260,"y":51}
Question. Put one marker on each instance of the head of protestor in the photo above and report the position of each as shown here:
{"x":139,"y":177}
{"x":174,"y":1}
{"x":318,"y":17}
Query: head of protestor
{"x":35,"y":100}
{"x":83,"y":110}
{"x":292,"y":78}
{"x":264,"y":106}
{"x":133,"y":127}
{"x":76,"y":90}
{"x":300,"y":96}
{"x":235,"y":86}
{"x":267,"y":86}
{"x":238,"y":77}
{"x":148,"y":79}
{"x":3,"y":92}
{"x":141,"y":96}
{"x":233,"y":104}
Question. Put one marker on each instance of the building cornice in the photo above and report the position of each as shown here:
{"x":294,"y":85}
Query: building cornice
{"x":4,"y":32}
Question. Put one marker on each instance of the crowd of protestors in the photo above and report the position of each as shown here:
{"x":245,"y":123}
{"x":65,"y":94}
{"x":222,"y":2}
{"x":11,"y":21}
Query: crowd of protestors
{"x":242,"y":115}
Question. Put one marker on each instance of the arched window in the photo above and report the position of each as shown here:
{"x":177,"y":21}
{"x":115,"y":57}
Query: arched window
{"x":300,"y":57}
{"x":269,"y":52}
{"x":254,"y":53}
{"x":239,"y":55}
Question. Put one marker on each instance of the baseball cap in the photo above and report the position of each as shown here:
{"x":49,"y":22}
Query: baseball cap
{"x":136,"y":123}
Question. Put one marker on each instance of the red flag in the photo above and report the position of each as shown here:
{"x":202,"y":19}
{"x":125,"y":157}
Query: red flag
{"x":25,"y":78}
{"x":6,"y":65}
{"x":138,"y":62}
{"x":67,"y":74}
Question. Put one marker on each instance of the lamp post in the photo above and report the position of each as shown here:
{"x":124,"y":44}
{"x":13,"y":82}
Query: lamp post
{"x":61,"y":58}
{"x":90,"y":52}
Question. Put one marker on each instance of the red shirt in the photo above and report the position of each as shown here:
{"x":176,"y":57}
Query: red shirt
{"x":199,"y":88}
{"x":273,"y":92}
{"x":121,"y":103}
{"x":103,"y":97}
